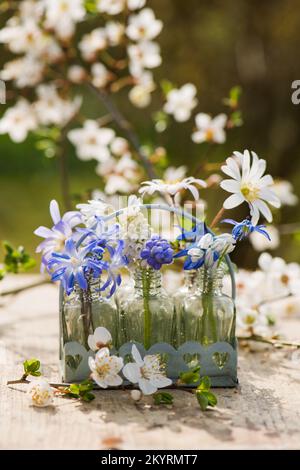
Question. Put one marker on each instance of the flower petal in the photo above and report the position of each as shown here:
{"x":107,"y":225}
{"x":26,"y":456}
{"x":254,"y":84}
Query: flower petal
{"x":147,"y":387}
{"x":233,"y":201}
{"x":132,"y":372}
{"x":54,"y":211}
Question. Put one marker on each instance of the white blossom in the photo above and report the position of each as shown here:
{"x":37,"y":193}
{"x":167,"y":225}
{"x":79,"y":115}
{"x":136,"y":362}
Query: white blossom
{"x":111,"y":7}
{"x":62,"y":16}
{"x":210,"y":129}
{"x":148,"y":373}
{"x":92,"y":141}
{"x":181,"y":102}
{"x":283,"y":277}
{"x":76,"y":74}
{"x":105,"y":369}
{"x":135,"y":4}
{"x":146,"y":54}
{"x":94,"y":208}
{"x":52,"y":109}
{"x":140,"y":94}
{"x":119,"y":146}
{"x":249,"y":185}
{"x":93,"y":43}
{"x":284,"y":191}
{"x":99,"y":339}
{"x":40,"y":393}
{"x":26,"y":71}
{"x":21,"y":37}
{"x":18,"y":121}
{"x":100,"y":75}
{"x":143,"y":26}
{"x":260,"y":243}
{"x":114,"y":32}
{"x":121,"y":175}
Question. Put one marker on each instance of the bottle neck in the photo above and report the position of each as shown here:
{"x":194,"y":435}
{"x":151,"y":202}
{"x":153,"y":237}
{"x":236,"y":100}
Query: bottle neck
{"x":192,"y":279}
{"x":147,"y":281}
{"x":211,"y":281}
{"x":91,"y":294}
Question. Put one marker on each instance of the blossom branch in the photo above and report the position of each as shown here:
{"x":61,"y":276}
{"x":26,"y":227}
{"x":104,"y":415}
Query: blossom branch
{"x":125,"y":127}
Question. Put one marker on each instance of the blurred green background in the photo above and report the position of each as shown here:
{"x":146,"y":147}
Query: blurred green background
{"x":216,"y":45}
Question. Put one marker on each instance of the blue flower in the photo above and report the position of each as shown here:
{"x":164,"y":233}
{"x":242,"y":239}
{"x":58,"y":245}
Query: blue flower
{"x":117,"y":261}
{"x":157,"y":251}
{"x":101,"y":236}
{"x":75,"y":265}
{"x":193,"y":236}
{"x":56,"y":236}
{"x":242,"y":229}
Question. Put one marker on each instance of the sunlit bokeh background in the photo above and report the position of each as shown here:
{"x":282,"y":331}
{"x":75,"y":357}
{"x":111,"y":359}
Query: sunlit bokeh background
{"x":215,"y":45}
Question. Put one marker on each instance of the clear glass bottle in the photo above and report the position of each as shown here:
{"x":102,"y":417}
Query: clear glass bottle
{"x":83,"y":311}
{"x":208,"y":315}
{"x":147,"y":316}
{"x":190,"y":285}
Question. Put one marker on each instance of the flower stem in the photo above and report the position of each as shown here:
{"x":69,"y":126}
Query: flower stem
{"x":146,"y":279}
{"x":218,"y":217}
{"x":273,"y":342}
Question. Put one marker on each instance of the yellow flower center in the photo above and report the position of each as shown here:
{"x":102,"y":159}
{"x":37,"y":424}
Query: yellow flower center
{"x":250,"y":192}
{"x":249,"y":319}
{"x":209,"y":135}
{"x":103,"y":370}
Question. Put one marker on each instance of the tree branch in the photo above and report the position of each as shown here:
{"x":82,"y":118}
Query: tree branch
{"x":125,"y":126}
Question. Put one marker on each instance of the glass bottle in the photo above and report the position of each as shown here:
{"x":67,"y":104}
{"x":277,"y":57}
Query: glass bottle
{"x":190,"y":285}
{"x":147,"y":316}
{"x":84,"y":310}
{"x":208,"y":314}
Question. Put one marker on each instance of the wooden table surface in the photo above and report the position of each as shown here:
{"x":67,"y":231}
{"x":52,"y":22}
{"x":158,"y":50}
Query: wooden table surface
{"x":264,"y":412}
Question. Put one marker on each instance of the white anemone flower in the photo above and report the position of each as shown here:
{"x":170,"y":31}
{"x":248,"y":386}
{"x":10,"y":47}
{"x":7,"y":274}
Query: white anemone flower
{"x":40,"y":393}
{"x":181,"y":102}
{"x":148,"y":373}
{"x":18,"y":121}
{"x":210,"y":129}
{"x":101,"y":338}
{"x":172,"y":187}
{"x":143,"y":26}
{"x":249,"y":185}
{"x":105,"y":369}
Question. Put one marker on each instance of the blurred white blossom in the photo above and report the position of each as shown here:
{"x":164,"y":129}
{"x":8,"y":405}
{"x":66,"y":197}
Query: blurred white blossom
{"x":91,"y":141}
{"x":143,"y":26}
{"x":260,"y":243}
{"x":181,"y":102}
{"x":62,"y":16}
{"x":92,"y":43}
{"x":284,"y":191}
{"x":18,"y":121}
{"x":112,"y":7}
{"x":210,"y":129}
{"x":40,"y":393}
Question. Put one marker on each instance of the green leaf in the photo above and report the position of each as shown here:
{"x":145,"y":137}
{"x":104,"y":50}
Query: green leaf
{"x":80,"y":391}
{"x":202,"y":400}
{"x":212,"y":399}
{"x":167,"y":86}
{"x":31,"y":367}
{"x":163,"y":398}
{"x":88,"y":396}
{"x":191,"y":376}
{"x":205,"y":384}
{"x":234,"y":97}
{"x":16,"y":260}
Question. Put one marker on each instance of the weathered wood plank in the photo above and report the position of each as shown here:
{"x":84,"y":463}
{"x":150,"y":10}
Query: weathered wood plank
{"x":263,"y":413}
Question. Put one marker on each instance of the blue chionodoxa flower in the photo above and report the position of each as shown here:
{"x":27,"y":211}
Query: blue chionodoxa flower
{"x":75,"y":265}
{"x":56,"y":236}
{"x":117,"y":261}
{"x":242,"y":229}
{"x":156,"y":252}
{"x":100,"y":235}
